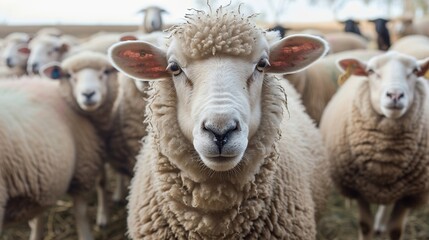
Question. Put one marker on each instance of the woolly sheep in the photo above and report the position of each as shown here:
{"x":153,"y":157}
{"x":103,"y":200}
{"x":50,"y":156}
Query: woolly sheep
{"x":46,"y":49}
{"x":414,"y":45}
{"x":220,"y":161}
{"x":342,"y":41}
{"x":89,"y":82}
{"x":318,"y":83}
{"x":376,"y":131}
{"x":152,"y":20}
{"x":15,"y":52}
{"x":47,"y":150}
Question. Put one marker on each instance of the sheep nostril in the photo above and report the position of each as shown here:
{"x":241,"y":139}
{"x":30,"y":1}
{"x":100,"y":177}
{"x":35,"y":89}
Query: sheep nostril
{"x":9,"y":62}
{"x":88,"y":95}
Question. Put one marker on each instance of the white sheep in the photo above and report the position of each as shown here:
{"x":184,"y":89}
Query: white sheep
{"x":225,"y":156}
{"x":408,"y":26}
{"x":47,"y":150}
{"x":47,"y":49}
{"x":90,"y":84}
{"x":15,"y":54}
{"x":318,"y":83}
{"x":376,"y":132}
{"x":152,"y":20}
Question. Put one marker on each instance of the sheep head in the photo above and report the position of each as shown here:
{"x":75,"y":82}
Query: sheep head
{"x":392,"y":78}
{"x":88,"y":73}
{"x":16,"y":51}
{"x":218,"y":77}
{"x":45,"y":49}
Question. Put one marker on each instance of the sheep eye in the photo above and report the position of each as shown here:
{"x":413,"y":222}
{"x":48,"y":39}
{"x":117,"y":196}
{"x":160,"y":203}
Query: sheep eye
{"x":67,"y":75}
{"x":174,"y":68}
{"x":107,"y":71}
{"x":370,"y":71}
{"x":262,"y":64}
{"x":415,"y":71}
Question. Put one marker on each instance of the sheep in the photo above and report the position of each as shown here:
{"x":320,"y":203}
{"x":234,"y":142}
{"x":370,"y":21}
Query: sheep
{"x":414,"y":45}
{"x":375,"y":129}
{"x":15,"y":54}
{"x":89,"y":82}
{"x":318,"y":83}
{"x":46,"y":49}
{"x":220,"y":161}
{"x":47,"y":150}
{"x":341,"y":41}
{"x":383,"y":35}
{"x":351,"y":26}
{"x":152,"y":20}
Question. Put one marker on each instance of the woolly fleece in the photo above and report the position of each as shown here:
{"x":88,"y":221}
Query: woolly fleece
{"x":373,"y":157}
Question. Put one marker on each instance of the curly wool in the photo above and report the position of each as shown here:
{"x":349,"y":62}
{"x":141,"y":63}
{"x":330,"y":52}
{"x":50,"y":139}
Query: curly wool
{"x":173,"y":195}
{"x":214,"y":33}
{"x":376,"y":158}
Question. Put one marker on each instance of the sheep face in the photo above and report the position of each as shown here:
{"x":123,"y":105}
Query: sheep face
{"x":218,"y":63}
{"x":392,"y":78}
{"x":89,"y":75}
{"x":47,"y":50}
{"x":16,"y":53}
{"x":153,"y":19}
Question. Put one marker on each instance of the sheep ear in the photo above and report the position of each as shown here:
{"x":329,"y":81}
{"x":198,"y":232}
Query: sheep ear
{"x":139,"y":60}
{"x":23,"y":48}
{"x":52,"y":71}
{"x":352,"y":66}
{"x":295,"y":53}
{"x":424,"y":67}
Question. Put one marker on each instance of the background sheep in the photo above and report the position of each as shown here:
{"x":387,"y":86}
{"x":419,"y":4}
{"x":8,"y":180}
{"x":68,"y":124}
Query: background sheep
{"x":15,"y":54}
{"x":47,"y":150}
{"x":383,"y":35}
{"x":318,"y":83}
{"x":376,"y":132}
{"x":90,"y":84}
{"x":152,"y":20}
{"x":185,"y":186}
{"x":351,"y":26}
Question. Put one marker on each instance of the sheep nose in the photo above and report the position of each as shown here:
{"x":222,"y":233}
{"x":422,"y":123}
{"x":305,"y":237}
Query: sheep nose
{"x":395,"y":95}
{"x":88,"y":95}
{"x":35,"y":68}
{"x":221,"y":135}
{"x":9,"y":62}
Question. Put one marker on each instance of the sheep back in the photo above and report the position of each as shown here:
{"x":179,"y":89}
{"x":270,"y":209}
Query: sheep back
{"x":45,"y":147}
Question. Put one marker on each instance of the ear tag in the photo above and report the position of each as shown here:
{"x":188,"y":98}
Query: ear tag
{"x":346,"y":75}
{"x":426,"y":75}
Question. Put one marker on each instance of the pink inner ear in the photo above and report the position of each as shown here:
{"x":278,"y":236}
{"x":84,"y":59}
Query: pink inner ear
{"x":24,"y":50}
{"x":142,"y":63}
{"x":295,"y":53}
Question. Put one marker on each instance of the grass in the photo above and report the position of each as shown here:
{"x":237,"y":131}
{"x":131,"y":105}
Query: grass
{"x":339,"y":222}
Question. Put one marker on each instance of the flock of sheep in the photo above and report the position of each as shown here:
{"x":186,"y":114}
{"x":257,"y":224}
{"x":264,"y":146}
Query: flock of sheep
{"x":227,"y":131}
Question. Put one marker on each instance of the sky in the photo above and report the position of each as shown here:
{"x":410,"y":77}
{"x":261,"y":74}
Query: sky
{"x":125,"y":11}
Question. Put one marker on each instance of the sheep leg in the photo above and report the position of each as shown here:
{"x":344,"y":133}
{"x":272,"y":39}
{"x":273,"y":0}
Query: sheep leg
{"x":365,"y":220}
{"x":381,"y":219}
{"x":102,"y":206}
{"x":82,"y":224}
{"x":37,"y":224}
{"x":119,"y":187}
{"x":397,"y":222}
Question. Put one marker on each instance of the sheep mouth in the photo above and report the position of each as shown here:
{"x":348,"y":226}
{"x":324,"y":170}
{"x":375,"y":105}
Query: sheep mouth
{"x":221,"y":164}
